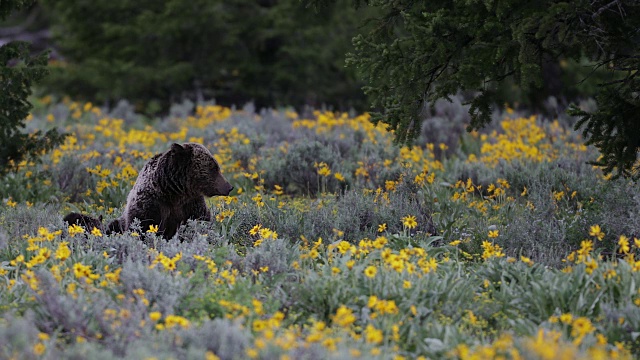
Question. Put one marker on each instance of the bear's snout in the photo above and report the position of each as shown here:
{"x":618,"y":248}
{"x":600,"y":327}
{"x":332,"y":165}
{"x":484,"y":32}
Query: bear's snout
{"x":228,"y":190}
{"x":221,"y":187}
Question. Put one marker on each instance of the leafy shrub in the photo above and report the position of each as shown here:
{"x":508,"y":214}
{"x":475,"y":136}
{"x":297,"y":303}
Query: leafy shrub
{"x":445,"y":122}
{"x":19,"y":70}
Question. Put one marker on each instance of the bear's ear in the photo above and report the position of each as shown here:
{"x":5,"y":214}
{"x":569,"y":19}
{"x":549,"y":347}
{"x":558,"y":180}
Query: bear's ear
{"x":177,"y":148}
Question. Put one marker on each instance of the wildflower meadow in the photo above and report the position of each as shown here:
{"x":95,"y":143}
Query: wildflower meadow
{"x":334,"y":244}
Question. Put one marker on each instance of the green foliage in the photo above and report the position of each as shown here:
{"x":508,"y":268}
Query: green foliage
{"x":8,"y":6}
{"x":614,"y":128}
{"x":157,"y":52}
{"x":421,"y":51}
{"x":18,"y":72}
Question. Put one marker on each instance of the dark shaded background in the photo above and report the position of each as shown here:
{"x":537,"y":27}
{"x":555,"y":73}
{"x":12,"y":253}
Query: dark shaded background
{"x":269,"y":52}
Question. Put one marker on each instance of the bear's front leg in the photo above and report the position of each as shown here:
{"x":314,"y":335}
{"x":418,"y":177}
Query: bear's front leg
{"x":148,"y":216}
{"x":197,"y":210}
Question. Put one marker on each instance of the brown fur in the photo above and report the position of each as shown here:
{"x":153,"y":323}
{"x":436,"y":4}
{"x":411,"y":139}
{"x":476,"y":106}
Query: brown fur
{"x":169,"y":190}
{"x":87,"y":222}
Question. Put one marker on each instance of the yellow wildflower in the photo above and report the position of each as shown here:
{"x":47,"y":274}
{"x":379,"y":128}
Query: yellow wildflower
{"x":173,"y":320}
{"x":39,"y":349}
{"x":155,"y":315}
{"x":63,"y":252}
{"x":596,"y":231}
{"x":344,"y":316}
{"x":558,"y":195}
{"x":370,"y":272}
{"x":211,"y":356}
{"x":623,"y":242}
{"x":581,"y":326}
{"x":566,"y":318}
{"x":255,"y":229}
{"x":83,"y":271}
{"x":526,"y":260}
{"x":591,"y":265}
{"x":373,"y":335}
{"x":409,"y":221}
{"x":75,"y":229}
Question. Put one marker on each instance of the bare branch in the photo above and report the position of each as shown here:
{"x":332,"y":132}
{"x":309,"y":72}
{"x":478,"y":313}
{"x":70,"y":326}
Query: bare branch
{"x":606,"y":7}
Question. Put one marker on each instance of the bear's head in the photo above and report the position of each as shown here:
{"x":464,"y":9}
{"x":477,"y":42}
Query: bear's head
{"x":202,"y":170}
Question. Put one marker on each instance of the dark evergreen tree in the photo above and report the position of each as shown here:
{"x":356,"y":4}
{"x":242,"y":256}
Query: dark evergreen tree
{"x":272,"y":52}
{"x":18,"y":71}
{"x":420,"y":51}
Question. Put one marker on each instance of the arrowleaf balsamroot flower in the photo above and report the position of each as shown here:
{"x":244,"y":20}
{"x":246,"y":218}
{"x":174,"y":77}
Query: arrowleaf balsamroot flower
{"x":84,"y":271}
{"x":623,"y":242}
{"x":581,"y":326}
{"x":75,"y":229}
{"x":370,"y":272}
{"x":344,"y":317}
{"x":373,"y":318}
{"x":39,"y":349}
{"x":409,"y":221}
{"x":373,"y":335}
{"x":173,"y":320}
{"x":566,"y":318}
{"x":490,"y":250}
{"x":596,"y":232}
{"x":63,"y":252}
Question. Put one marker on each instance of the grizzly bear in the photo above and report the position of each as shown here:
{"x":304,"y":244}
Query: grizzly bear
{"x":171,"y":189}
